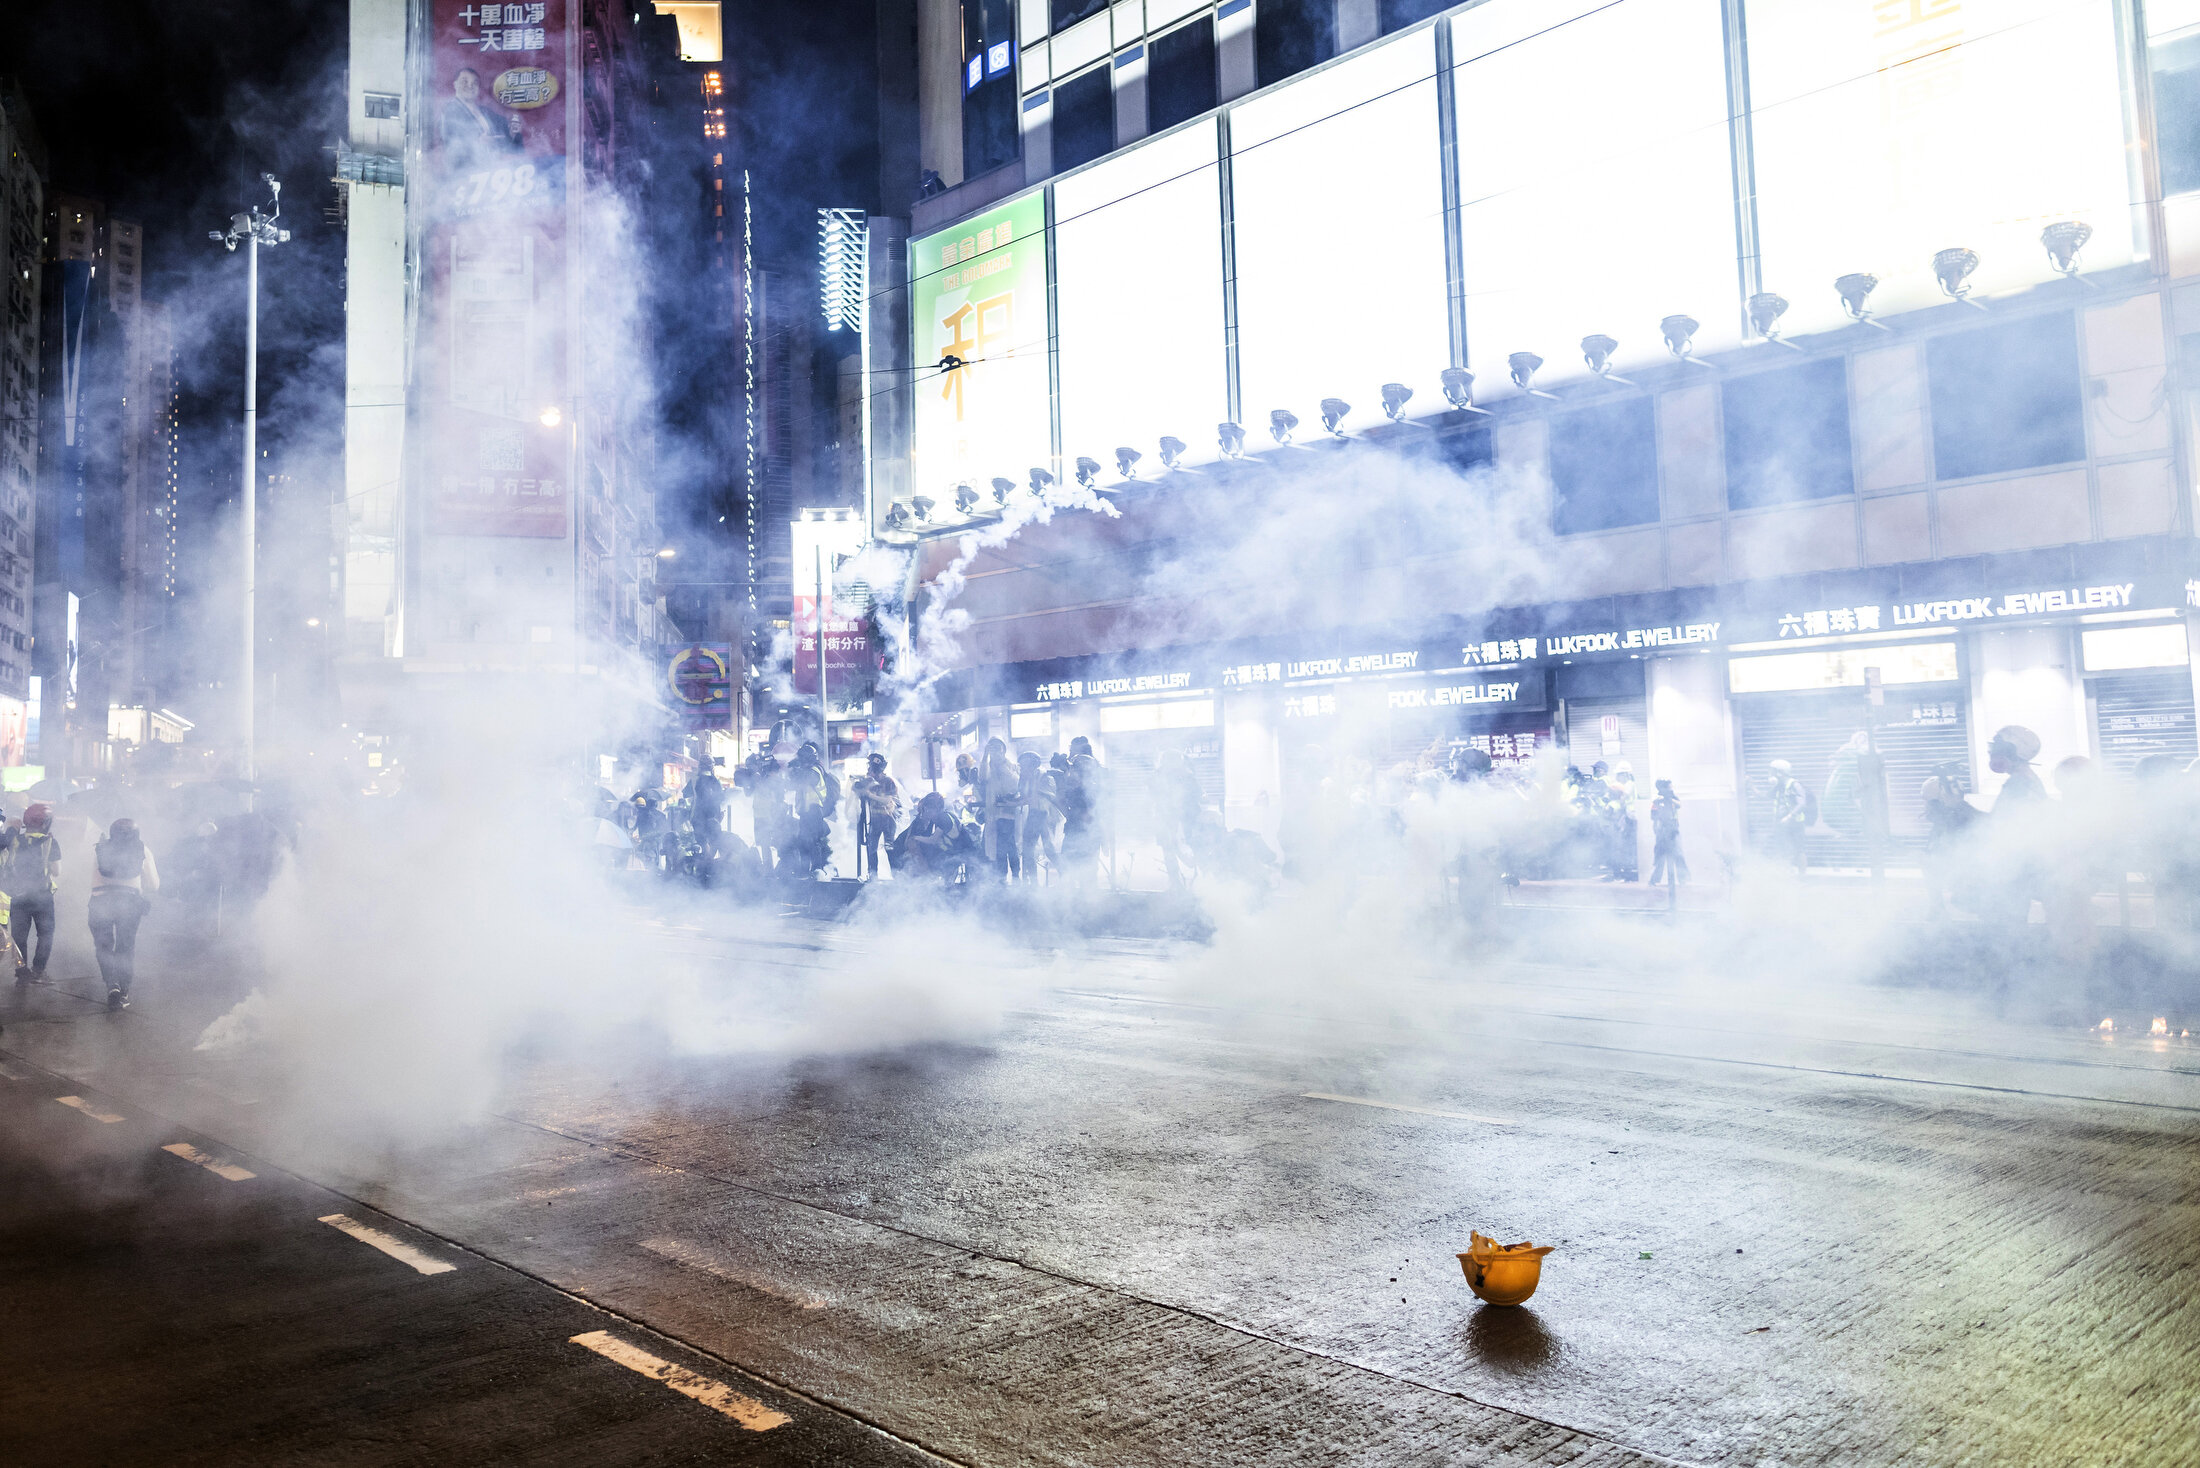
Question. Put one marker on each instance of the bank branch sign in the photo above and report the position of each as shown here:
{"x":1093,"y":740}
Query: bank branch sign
{"x":978,"y":295}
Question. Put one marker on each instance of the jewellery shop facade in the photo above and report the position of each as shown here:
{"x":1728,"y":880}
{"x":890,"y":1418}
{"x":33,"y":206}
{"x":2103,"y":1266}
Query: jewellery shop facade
{"x":2088,"y":646}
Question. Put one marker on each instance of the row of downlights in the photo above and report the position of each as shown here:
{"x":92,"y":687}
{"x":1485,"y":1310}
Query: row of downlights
{"x":1952,"y":268}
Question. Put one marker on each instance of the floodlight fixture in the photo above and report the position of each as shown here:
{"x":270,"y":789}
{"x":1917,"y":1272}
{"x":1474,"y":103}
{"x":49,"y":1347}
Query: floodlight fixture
{"x":1088,"y":471}
{"x":921,"y":506}
{"x":1280,"y":424}
{"x":1765,"y":310}
{"x":966,"y":498}
{"x":1334,"y":412}
{"x":1040,"y":480}
{"x":1679,"y":331}
{"x":1597,"y":352}
{"x":1172,"y":451}
{"x":1458,"y":384}
{"x":1395,"y":397}
{"x":2063,"y":240}
{"x":1230,"y":438}
{"x":897,"y":516}
{"x":1952,"y":267}
{"x":1126,"y":462}
{"x":551,"y":416}
{"x":1853,"y":288}
{"x":1002,"y":489}
{"x":1522,"y":366}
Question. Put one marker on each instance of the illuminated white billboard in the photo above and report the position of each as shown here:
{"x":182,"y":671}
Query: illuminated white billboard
{"x":1338,"y":192}
{"x":1138,"y":301}
{"x":978,"y":302}
{"x":1885,"y":134}
{"x":1596,"y":181}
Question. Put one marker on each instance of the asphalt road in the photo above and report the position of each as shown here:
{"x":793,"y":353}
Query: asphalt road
{"x":1120,"y":1204}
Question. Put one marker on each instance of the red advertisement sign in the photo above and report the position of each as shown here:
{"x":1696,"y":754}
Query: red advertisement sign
{"x":492,"y":352}
{"x":849,"y":658}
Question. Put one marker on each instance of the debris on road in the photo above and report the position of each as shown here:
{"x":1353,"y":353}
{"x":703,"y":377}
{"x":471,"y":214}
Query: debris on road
{"x":1502,"y":1274}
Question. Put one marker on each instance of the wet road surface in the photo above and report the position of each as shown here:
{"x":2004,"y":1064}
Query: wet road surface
{"x":1154,"y":1214}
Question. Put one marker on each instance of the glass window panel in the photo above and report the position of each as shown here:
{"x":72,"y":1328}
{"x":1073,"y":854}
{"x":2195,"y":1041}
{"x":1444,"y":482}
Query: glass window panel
{"x":1883,"y":134}
{"x":1138,"y":291}
{"x":1340,"y":238}
{"x":1596,"y":181}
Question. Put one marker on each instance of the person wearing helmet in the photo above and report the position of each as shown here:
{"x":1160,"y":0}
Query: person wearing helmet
{"x":30,"y":864}
{"x":118,"y":905}
{"x":2011,"y":752}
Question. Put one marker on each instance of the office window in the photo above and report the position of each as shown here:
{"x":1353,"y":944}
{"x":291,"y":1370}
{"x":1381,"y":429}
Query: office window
{"x":2006,"y":397}
{"x":1084,"y":119}
{"x":990,"y":134}
{"x":1068,"y":12}
{"x":1787,"y":434}
{"x":1398,"y":14}
{"x":1291,"y":35}
{"x":2176,"y":66}
{"x":1180,"y":74}
{"x":1604,"y":467}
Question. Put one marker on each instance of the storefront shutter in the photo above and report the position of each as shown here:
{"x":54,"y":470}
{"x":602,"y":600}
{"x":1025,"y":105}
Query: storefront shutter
{"x":2138,"y":714}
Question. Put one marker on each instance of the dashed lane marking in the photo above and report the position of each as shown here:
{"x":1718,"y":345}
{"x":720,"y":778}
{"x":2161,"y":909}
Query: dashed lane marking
{"x":699,"y":1260}
{"x":1396,"y":1106}
{"x":87,"y":1108}
{"x":214,"y":1165}
{"x":389,"y":1244}
{"x":716,"y":1395}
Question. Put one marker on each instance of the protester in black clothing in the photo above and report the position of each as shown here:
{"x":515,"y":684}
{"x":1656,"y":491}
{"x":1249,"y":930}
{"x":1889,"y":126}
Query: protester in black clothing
{"x":30,"y":866}
{"x":126,"y":874}
{"x":932,"y":843}
{"x":1666,"y":861}
{"x":878,"y":811}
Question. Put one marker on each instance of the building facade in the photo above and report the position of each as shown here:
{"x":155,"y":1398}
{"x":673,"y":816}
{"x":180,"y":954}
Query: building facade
{"x":1835,"y":389}
{"x":500,"y":509}
{"x":22,"y":224}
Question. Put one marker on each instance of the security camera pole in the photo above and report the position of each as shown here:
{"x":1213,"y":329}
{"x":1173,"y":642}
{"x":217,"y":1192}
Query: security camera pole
{"x":252,"y":229}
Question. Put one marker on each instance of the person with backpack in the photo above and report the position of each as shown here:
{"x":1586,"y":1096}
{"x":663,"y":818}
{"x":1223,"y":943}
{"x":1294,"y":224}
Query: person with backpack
{"x":118,"y":905}
{"x":30,"y":866}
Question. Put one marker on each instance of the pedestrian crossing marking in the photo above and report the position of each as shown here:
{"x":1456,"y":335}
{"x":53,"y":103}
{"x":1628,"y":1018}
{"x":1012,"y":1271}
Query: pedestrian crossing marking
{"x":214,"y":1165}
{"x":87,"y":1108}
{"x":389,"y":1244}
{"x":716,"y":1395}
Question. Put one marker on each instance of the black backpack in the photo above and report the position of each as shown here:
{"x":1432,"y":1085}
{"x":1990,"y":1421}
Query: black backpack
{"x":26,"y":869}
{"x":120,"y":860}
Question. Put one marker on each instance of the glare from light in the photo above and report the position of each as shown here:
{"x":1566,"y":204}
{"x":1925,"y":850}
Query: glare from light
{"x":551,"y":416}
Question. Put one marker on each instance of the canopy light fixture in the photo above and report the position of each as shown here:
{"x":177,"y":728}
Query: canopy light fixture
{"x":1952,"y":267}
{"x":1522,"y":366}
{"x":2063,"y":241}
{"x":898,"y":516}
{"x":1395,"y":397}
{"x":1597,"y":352}
{"x":1172,"y":451}
{"x":1230,"y":437}
{"x":966,"y":498}
{"x":1040,"y":480}
{"x":1458,"y":385}
{"x":1765,"y":310}
{"x":1280,"y":424}
{"x":1088,"y":471}
{"x":1334,"y":412}
{"x":1126,"y":462}
{"x":922,"y":506}
{"x":1853,"y":288}
{"x":1002,"y":489}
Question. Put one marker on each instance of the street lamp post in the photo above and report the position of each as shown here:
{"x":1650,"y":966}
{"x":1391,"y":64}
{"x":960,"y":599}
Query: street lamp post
{"x":252,"y":229}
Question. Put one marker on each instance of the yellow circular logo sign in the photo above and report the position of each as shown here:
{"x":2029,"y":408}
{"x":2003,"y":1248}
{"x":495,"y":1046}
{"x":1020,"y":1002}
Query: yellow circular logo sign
{"x":525,"y":87}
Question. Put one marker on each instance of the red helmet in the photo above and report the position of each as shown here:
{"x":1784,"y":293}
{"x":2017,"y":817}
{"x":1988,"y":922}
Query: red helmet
{"x":38,"y":817}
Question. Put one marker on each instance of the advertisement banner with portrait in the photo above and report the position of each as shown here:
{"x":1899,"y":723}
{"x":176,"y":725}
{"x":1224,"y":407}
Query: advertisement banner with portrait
{"x":492,"y":347}
{"x":978,"y":297}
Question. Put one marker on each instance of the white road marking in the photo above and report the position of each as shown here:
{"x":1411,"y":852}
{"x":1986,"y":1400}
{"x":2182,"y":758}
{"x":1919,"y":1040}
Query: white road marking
{"x":1416,"y":1110}
{"x":214,"y":1165}
{"x":12,"y":1074}
{"x":699,"y":1260}
{"x":87,"y":1108}
{"x":389,"y":1244}
{"x":716,"y":1395}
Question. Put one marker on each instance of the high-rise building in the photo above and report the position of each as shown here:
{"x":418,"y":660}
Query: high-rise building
{"x":500,"y":463}
{"x":22,"y":219}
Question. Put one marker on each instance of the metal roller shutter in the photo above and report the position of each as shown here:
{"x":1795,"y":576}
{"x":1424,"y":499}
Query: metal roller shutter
{"x":2138,"y":714}
{"x":1920,"y":727}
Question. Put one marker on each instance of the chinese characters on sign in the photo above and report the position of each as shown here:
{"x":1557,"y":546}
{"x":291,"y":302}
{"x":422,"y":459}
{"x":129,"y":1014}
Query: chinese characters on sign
{"x":1245,"y":673}
{"x":1507,"y":650}
{"x":1836,"y":620}
{"x":1312,"y":706}
{"x":1509,"y":749}
{"x":1101,"y":687}
{"x":507,"y":27}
